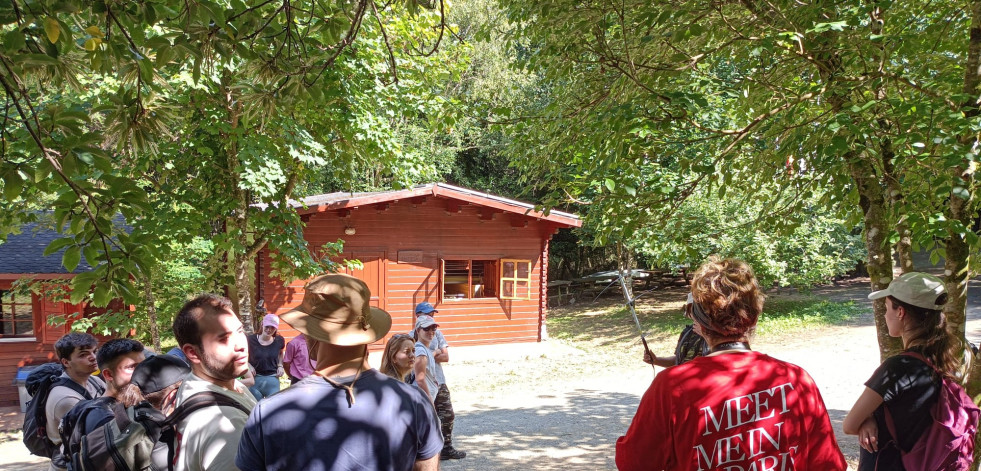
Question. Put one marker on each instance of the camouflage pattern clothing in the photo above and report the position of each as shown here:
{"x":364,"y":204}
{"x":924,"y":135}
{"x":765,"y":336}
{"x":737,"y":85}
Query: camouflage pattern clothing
{"x":690,"y":346}
{"x":444,"y":410}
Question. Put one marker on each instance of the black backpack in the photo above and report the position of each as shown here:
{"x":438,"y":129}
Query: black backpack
{"x":140,"y":437}
{"x":73,"y":424}
{"x":39,"y":385}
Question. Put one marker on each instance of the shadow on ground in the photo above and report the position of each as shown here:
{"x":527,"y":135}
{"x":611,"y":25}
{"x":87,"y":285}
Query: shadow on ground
{"x":847,"y":443}
{"x":574,"y":430}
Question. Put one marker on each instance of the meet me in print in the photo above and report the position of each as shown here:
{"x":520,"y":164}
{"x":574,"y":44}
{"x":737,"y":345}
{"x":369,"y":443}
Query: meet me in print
{"x":762,"y":445}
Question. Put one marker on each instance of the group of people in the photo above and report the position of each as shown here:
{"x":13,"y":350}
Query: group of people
{"x":720,"y":405}
{"x":338,"y":413}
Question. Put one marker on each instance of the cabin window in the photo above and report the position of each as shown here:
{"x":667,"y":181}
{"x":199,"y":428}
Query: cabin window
{"x":515,"y":279}
{"x":469,"y":279}
{"x":482,"y":278}
{"x":16,"y":315}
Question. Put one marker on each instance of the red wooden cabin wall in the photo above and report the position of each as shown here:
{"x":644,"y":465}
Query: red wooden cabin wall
{"x":439,"y":228}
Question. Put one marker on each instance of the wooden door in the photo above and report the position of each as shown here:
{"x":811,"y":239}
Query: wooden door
{"x":372,"y":273}
{"x":48,"y":309}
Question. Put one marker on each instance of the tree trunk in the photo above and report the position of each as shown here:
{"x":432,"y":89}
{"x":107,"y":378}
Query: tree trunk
{"x":243,"y":292}
{"x":237,"y":223}
{"x":904,"y":246}
{"x":956,"y":270}
{"x":960,"y":206}
{"x":151,"y":312}
{"x":879,"y":261}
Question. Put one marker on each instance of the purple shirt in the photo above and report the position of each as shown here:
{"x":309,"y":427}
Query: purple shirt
{"x":298,"y":357}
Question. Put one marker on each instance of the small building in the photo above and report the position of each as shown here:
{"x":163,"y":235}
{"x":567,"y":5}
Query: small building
{"x":481,"y":259}
{"x":26,"y":337}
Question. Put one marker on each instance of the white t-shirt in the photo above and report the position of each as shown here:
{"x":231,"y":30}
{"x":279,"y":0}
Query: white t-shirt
{"x":208,"y":438}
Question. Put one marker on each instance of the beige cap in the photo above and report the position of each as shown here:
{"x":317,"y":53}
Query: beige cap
{"x":915,"y":288}
{"x":336,"y":310}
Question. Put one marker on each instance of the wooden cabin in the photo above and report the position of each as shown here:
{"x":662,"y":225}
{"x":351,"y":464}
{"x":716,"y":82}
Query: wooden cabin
{"x":480,"y":259}
{"x":26,"y":338}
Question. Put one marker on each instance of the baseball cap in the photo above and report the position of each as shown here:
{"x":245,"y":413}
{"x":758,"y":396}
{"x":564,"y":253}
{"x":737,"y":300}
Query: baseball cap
{"x":270,"y":320}
{"x":422,"y":322}
{"x":158,"y":372}
{"x":425,"y":308}
{"x":915,"y":288}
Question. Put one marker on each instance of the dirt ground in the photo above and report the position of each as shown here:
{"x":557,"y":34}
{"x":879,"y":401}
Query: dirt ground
{"x":559,"y":405}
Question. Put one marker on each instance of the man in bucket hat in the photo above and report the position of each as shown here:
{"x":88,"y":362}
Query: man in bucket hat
{"x":444,"y":406}
{"x":346,"y":415}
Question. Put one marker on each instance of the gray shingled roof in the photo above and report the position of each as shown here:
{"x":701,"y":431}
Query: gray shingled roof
{"x":24,"y":252}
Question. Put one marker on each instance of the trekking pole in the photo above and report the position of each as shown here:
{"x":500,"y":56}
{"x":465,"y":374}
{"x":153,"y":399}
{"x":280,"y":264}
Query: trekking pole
{"x":633,"y":312}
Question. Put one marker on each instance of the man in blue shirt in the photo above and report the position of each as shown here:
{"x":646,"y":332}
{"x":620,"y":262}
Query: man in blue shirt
{"x":346,"y":415}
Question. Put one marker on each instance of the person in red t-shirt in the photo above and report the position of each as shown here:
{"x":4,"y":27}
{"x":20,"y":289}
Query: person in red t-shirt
{"x":734,"y":409}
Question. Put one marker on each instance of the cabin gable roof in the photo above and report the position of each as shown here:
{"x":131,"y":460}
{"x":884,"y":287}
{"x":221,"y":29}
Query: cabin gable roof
{"x":343,"y":200}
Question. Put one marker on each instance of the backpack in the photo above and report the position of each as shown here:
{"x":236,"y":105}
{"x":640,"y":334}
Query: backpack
{"x":139,"y":434}
{"x":948,"y":442}
{"x":73,"y":424}
{"x":39,"y":385}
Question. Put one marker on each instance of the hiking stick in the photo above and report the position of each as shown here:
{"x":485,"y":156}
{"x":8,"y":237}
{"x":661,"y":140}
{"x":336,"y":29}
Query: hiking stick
{"x":633,"y":312}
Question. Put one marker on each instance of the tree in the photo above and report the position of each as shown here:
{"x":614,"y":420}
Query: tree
{"x":138,"y":107}
{"x":795,"y":101}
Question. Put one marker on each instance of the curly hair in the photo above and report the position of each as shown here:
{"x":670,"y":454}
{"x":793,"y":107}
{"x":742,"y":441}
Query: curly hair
{"x":727,"y":292}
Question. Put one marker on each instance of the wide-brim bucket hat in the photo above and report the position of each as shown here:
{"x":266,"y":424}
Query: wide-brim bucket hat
{"x":336,"y":310}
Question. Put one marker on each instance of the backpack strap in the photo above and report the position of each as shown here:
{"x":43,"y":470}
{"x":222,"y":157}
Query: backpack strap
{"x":200,"y":401}
{"x":194,"y":403}
{"x":71,"y":384}
{"x":98,"y":385}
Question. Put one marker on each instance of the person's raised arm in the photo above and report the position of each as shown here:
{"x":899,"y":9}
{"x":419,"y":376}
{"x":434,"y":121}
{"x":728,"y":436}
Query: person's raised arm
{"x":663,"y":362}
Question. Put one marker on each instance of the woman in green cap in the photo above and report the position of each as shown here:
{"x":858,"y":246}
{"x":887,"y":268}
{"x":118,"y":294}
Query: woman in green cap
{"x":908,"y":385}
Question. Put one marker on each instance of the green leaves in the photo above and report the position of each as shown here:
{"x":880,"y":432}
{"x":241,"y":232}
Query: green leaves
{"x":71,"y":258}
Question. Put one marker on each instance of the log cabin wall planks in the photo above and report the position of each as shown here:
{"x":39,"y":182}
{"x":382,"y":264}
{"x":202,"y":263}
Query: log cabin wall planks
{"x":427,"y":231}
